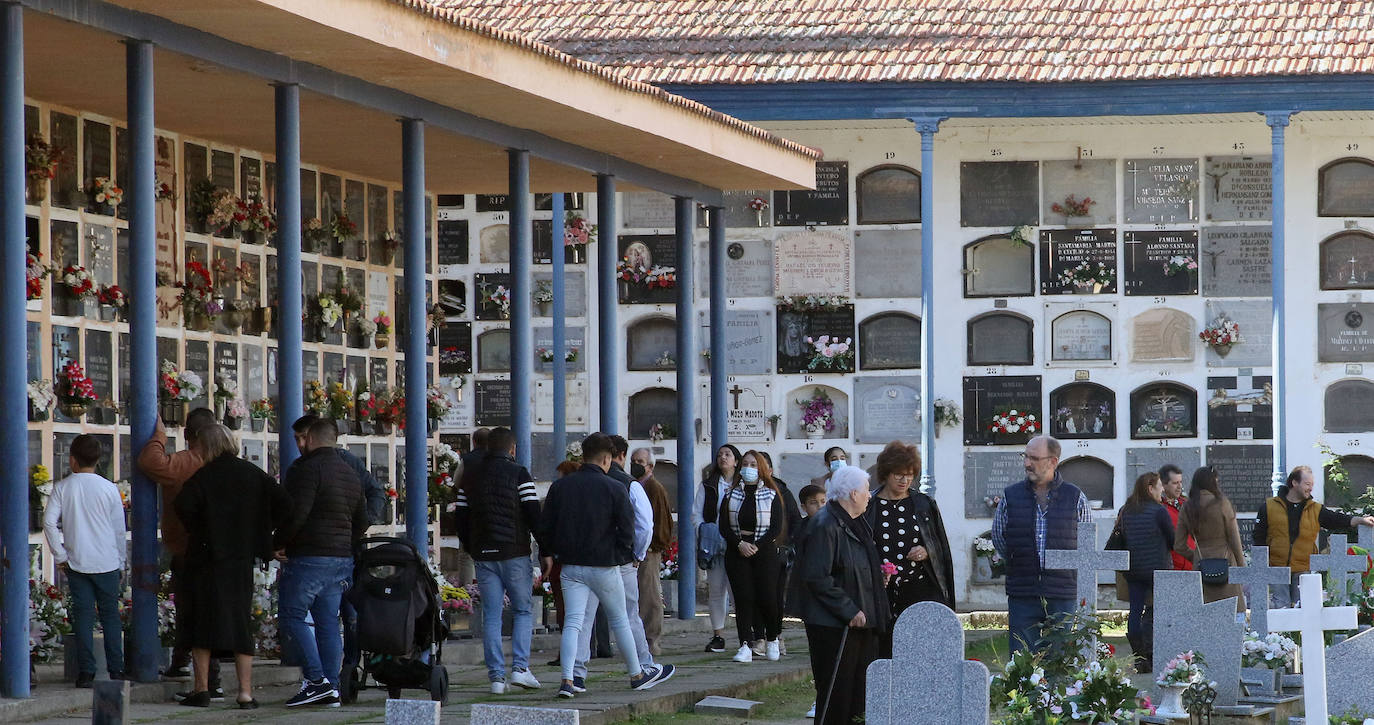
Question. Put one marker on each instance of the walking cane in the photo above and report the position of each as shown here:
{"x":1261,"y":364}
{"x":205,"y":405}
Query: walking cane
{"x":834,"y":674}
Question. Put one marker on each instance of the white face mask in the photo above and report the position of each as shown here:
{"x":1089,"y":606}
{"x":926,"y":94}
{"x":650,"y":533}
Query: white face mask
{"x":749,"y":474}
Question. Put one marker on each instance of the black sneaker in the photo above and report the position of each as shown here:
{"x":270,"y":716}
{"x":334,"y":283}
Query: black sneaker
{"x":84,"y":681}
{"x":196,"y":699}
{"x":181,"y":672}
{"x":664,"y":672}
{"x":643,"y":681}
{"x":717,"y":644}
{"x":313,"y":693}
{"x":565,"y":691}
{"x":579,"y":685}
{"x":216,"y":694}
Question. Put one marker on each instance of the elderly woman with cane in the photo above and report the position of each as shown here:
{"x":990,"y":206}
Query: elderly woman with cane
{"x":842,"y":597}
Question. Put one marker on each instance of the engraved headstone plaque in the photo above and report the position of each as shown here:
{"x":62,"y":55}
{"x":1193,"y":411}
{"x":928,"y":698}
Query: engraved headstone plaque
{"x":748,"y":342}
{"x":1344,"y":332}
{"x":998,"y":267}
{"x":652,"y":255}
{"x":1000,"y":338}
{"x":1256,"y":333}
{"x":811,"y":263}
{"x":493,"y":243}
{"x":1149,"y":460}
{"x":575,"y":341}
{"x":987,"y":474}
{"x":1240,"y":408}
{"x":489,"y":289}
{"x":1078,"y":261}
{"x":747,"y":411}
{"x":198,"y":362}
{"x":648,"y":210}
{"x":100,"y":369}
{"x":1162,"y":334}
{"x":1348,"y":406}
{"x":493,"y":402}
{"x":999,"y":193}
{"x":1092,"y":179}
{"x":1243,"y":473}
{"x":887,"y":263}
{"x":795,"y":354}
{"x":453,"y":242}
{"x":794,"y":408}
{"x":1079,"y":335}
{"x":574,"y":291}
{"x":650,"y":407}
{"x":1347,"y":260}
{"x":651,"y":344}
{"x":748,"y":269}
{"x":1238,"y":188}
{"x":1236,"y":261}
{"x":887,"y":408}
{"x":990,"y":396}
{"x":890,"y":341}
{"x":889,"y":195}
{"x":1161,"y":191}
{"x":576,"y":402}
{"x":740,"y":211}
{"x":493,"y":202}
{"x":455,"y":349}
{"x":1161,"y":263}
{"x":827,"y":205}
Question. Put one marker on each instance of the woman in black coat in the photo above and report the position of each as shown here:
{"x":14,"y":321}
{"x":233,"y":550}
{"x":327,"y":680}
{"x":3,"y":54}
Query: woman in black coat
{"x":230,"y":508}
{"x":1148,"y":534}
{"x":909,"y":533}
{"x":842,"y":598}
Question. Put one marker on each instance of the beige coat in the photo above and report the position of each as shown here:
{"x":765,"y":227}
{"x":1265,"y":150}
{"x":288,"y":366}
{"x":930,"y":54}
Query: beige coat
{"x":1217,"y":536}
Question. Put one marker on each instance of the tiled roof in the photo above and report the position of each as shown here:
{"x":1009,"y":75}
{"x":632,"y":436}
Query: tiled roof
{"x":780,"y":41}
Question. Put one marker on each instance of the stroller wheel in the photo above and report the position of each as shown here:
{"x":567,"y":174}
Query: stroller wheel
{"x":349,"y":686}
{"x":438,"y":684}
{"x":393,"y":692}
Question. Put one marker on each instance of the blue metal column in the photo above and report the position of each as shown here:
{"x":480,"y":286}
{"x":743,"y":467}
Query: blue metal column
{"x":607,"y":323}
{"x":719,"y":412}
{"x":521,"y":331}
{"x":927,"y":128}
{"x":1278,"y":121}
{"x":290,"y":386}
{"x":560,"y":333}
{"x":142,"y":658}
{"x":686,"y":409}
{"x":417,"y":418}
{"x":14,"y":427}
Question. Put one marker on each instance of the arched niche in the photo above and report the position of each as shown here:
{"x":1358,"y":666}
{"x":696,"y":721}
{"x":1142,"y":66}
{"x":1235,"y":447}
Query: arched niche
{"x":1001,"y":338}
{"x":795,"y":401}
{"x":665,"y":472}
{"x":995,"y":266}
{"x":1360,"y":472}
{"x":493,"y":351}
{"x":1080,"y":335}
{"x":1094,"y":476}
{"x":648,"y":340}
{"x":1347,"y":260}
{"x":889,"y":194}
{"x":494,"y":244}
{"x":1349,"y":406}
{"x":653,"y":406}
{"x":1163,"y":410}
{"x":890,"y":341}
{"x":1342,"y":188}
{"x":1082,"y":410}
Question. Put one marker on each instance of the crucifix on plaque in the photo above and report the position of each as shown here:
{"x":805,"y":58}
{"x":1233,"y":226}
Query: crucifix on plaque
{"x":1353,"y":278}
{"x":1164,"y":402}
{"x":977,"y":400}
{"x":735,"y":393}
{"x":1216,"y":183}
{"x":1212,"y":257}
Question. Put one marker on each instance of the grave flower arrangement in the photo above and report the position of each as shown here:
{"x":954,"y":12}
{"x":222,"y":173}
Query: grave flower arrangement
{"x":383,"y":323}
{"x":546,"y":354}
{"x":40,"y":160}
{"x":573,"y":452}
{"x":328,"y":309}
{"x":455,"y":599}
{"x":1184,"y":669}
{"x":758,"y":203}
{"x":1073,"y":207}
{"x":340,"y":400}
{"x":1023,"y":235}
{"x":661,"y":277}
{"x":104,"y":191}
{"x":1014,"y":421}
{"x":80,"y":284}
{"x":668,"y":566}
{"x":1179,"y":264}
{"x":497,"y":296}
{"x":947,"y":413}
{"x":1086,"y":274}
{"x":34,"y":275}
{"x":112,"y":296}
{"x":316,"y":398}
{"x":543,"y":292}
{"x":661,"y":431}
{"x":235,"y":409}
{"x":818,"y":413}
{"x":391,"y":241}
{"x":437,"y":403}
{"x":367,"y":328}
{"x":351,"y":302}
{"x":451,"y":355}
{"x":200,"y":202}
{"x":812,"y":303}
{"x":829,"y":353}
{"x":257,"y":218}
{"x":75,"y":391}
{"x":1274,"y":650}
{"x":1101,"y":692}
{"x":197,"y":293}
{"x":48,"y":618}
{"x":261,"y":409}
{"x":1169,"y":424}
{"x":178,"y":386}
{"x":40,"y":486}
{"x":227,"y":213}
{"x":41,"y":398}
{"x":577,"y":231}
{"x":341,"y":227}
{"x":312,"y":233}
{"x":665,"y":360}
{"x":165,"y":192}
{"x":1223,"y":332}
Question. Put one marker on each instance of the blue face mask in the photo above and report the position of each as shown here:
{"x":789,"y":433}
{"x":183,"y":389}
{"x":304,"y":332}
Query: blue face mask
{"x":836,"y":464}
{"x":749,"y":475}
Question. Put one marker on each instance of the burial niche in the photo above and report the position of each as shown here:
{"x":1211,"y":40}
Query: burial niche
{"x":889,"y":194}
{"x":996,"y":266}
{"x":890,"y":341}
{"x":493,"y":351}
{"x":651,"y":344}
{"x":653,"y":407}
{"x":1094,"y":476}
{"x":1081,"y":335}
{"x":1359,"y":472}
{"x":1345,"y":187}
{"x":665,"y":472}
{"x":1164,"y":410}
{"x":1348,"y":406}
{"x":1347,"y":260}
{"x":808,"y":405}
{"x":1001,"y":338}
{"x":1083,"y":410}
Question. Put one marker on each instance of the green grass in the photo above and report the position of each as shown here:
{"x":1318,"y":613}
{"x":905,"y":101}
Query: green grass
{"x":782,"y":702}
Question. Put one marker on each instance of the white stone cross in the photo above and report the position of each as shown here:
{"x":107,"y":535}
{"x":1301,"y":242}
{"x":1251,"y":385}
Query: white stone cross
{"x":1260,"y":577}
{"x":1340,"y":567}
{"x":1087,"y":560}
{"x":1312,"y":620}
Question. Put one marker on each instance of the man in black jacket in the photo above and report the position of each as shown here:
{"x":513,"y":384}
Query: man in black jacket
{"x":326,"y":519}
{"x":373,"y":491}
{"x":588,"y":525}
{"x":496,"y":511}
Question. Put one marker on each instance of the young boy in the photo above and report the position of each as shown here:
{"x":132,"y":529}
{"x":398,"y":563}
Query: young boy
{"x":812,"y":499}
{"x":84,"y":523}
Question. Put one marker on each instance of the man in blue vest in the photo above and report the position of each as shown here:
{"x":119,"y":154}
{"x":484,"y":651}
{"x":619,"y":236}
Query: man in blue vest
{"x":1041,"y":512}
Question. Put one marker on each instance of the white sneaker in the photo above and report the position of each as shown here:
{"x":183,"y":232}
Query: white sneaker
{"x":773,"y":652}
{"x":812,"y":712}
{"x":744,"y":654}
{"x":525,"y":679}
{"x":498,"y":687}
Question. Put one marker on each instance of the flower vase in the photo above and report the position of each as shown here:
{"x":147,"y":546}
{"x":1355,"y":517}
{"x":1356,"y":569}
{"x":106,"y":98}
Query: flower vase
{"x":197,"y":321}
{"x":251,"y":236}
{"x":72,"y":410}
{"x":381,"y":428}
{"x":1222,"y":349}
{"x":1170,"y":703}
{"x":982,"y":569}
{"x":108,"y":313}
{"x":360,"y":250}
{"x":577,"y":254}
{"x":173,"y":413}
{"x":233,"y":319}
{"x":545,"y":309}
{"x":36,"y":414}
{"x":388,"y":255}
{"x":36,"y":188}
{"x":669,"y":588}
{"x":381,"y":340}
{"x":758,"y":217}
{"x":815,"y":433}
{"x":257,"y":424}
{"x":1085,"y":288}
{"x":323,"y":331}
{"x":232,"y":422}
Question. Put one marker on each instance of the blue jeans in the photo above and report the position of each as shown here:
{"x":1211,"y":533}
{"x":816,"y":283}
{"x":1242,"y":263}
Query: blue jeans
{"x":604,"y":582}
{"x":314,"y":584}
{"x":89,"y":593}
{"x":513,"y":578}
{"x":1025,"y":615}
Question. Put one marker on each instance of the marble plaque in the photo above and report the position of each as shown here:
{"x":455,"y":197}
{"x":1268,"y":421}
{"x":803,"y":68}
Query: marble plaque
{"x":1345,"y":188}
{"x":198,"y":361}
{"x":453,"y":242}
{"x":1237,"y":261}
{"x":648,"y":210}
{"x":987,"y":396}
{"x":827,"y":205}
{"x":1255,"y":348}
{"x":100,"y":254}
{"x":887,"y":408}
{"x":493,"y":402}
{"x":33,"y":339}
{"x":1000,"y":338}
{"x":887,"y":263}
{"x":254,"y":380}
{"x":747,"y":410}
{"x":1162,"y":334}
{"x":493,"y":351}
{"x":1161,"y":191}
{"x":310,"y":366}
{"x":748,"y":342}
{"x":798,"y":469}
{"x":888,"y":195}
{"x":1078,"y":261}
{"x":986,"y":475}
{"x":748,"y":269}
{"x":1093,"y":179}
{"x":378,"y":294}
{"x":1344,"y":332}
{"x":998,"y":267}
{"x":1079,"y":335}
{"x":227,"y":365}
{"x":1347,"y":260}
{"x":650,"y":407}
{"x":999,"y":193}
{"x":377,"y":373}
{"x":1238,"y":188}
{"x":574,"y":291}
{"x":66,"y":191}
{"x":1348,"y":406}
{"x":1161,"y":263}
{"x":1244,"y":473}
{"x":100,"y":369}
{"x":811,"y":263}
{"x":485,"y":285}
{"x":575,"y":342}
{"x":575,"y":407}
{"x":890,"y":341}
{"x":739,"y":214}
{"x":1240,"y":407}
{"x":1140,"y":461}
{"x":795,"y":353}
{"x":651,"y":344}
{"x":493,"y":244}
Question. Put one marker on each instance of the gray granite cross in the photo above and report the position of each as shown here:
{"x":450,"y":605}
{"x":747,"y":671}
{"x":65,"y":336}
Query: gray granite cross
{"x":1087,"y":560}
{"x":1182,"y":623}
{"x":1365,"y":537}
{"x":1341,"y":568}
{"x":1259,"y":576}
{"x":928,"y":679}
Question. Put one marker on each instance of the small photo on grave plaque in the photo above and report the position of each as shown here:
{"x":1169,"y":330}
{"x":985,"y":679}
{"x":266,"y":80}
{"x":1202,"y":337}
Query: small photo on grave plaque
{"x":1161,"y":191}
{"x":1083,"y":410}
{"x":1001,"y":338}
{"x":1079,"y":193}
{"x":1241,"y":407}
{"x":455,"y":349}
{"x":1079,"y":335}
{"x":999,"y":193}
{"x":797,"y":355}
{"x":1345,"y":188}
{"x":492,"y":291}
{"x":1163,"y":410}
{"x":828,"y":205}
{"x":989,"y":402}
{"x":1078,"y":261}
{"x":1160,"y":263}
{"x":1243,"y":473}
{"x":493,"y":403}
{"x":647,"y":271}
{"x":1239,"y":188}
{"x":1237,"y":261}
{"x":890,"y":341}
{"x":888,"y":194}
{"x":1348,"y":404}
{"x":1347,"y":260}
{"x":1344,"y":332}
{"x":996,"y":266}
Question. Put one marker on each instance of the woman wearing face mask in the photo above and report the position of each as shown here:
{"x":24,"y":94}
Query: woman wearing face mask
{"x":752,"y":520}
{"x":720,"y":476}
{"x":835,"y":459}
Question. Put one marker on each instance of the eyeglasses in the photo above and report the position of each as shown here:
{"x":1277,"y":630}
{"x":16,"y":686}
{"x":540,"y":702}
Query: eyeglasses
{"x":1035,"y":459}
{"x":907,"y":477}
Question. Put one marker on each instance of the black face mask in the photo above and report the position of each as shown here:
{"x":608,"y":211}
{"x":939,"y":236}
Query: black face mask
{"x":637,"y":471}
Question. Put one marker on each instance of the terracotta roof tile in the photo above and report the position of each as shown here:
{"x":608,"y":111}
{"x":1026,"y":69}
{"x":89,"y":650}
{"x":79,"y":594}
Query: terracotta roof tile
{"x":768,"y":41}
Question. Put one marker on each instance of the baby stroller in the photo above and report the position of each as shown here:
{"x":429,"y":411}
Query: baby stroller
{"x":399,"y":637}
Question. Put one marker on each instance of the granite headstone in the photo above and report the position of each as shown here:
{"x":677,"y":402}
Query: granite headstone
{"x":1238,"y":188}
{"x":1344,"y":571}
{"x":887,"y":408}
{"x":1001,"y":338}
{"x":1259,"y":577}
{"x":1161,"y":191}
{"x":493,"y":401}
{"x":1256,"y":331}
{"x":827,"y":205}
{"x":413,"y":712}
{"x":1161,"y":262}
{"x":1243,"y":473}
{"x":1344,"y":332}
{"x":483,"y":714}
{"x":887,"y":263}
{"x":927,"y":639}
{"x":748,"y":342}
{"x":1183,"y":623}
{"x":1348,"y":665}
{"x":999,"y":193}
{"x":1348,"y":403}
{"x":890,"y":341}
{"x":1078,"y":261}
{"x":987,"y":396}
{"x":1236,"y":261}
{"x":986,"y":475}
{"x":1087,"y":557}
{"x":1093,"y":179}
